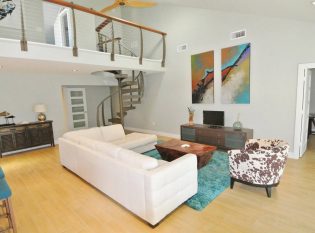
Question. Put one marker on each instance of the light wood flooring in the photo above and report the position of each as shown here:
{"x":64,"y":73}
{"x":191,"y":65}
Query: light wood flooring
{"x":49,"y":199}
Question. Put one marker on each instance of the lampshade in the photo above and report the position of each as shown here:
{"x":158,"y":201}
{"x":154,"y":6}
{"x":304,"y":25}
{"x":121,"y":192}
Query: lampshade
{"x":39,"y":108}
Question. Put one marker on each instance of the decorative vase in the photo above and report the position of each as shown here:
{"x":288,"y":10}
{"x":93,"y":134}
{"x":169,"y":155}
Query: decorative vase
{"x":237,"y":125}
{"x":191,"y":118}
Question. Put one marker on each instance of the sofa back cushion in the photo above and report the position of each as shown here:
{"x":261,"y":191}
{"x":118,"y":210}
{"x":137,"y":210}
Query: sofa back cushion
{"x":112,"y":132}
{"x":73,"y":136}
{"x":107,"y":149}
{"x":87,"y":142}
{"x":136,"y":160}
{"x":92,"y":133}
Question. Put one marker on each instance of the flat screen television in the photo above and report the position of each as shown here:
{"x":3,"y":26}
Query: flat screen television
{"x":215,"y":118}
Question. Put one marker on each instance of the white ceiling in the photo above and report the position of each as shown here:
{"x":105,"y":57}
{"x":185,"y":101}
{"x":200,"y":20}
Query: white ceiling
{"x":292,"y":9}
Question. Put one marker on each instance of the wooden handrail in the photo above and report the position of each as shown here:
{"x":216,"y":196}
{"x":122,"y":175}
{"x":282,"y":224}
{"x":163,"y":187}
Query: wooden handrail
{"x":97,"y":13}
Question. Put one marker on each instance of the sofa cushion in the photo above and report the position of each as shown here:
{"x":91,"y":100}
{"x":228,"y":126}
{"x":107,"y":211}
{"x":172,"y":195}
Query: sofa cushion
{"x":107,"y":149}
{"x":137,"y":160}
{"x":73,"y":136}
{"x":133,"y":140}
{"x":112,"y":132}
{"x":87,"y":142}
{"x":92,"y":133}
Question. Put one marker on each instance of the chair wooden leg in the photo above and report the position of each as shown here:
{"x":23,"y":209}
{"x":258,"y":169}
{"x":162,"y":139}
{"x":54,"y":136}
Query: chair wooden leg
{"x":268,"y":191}
{"x":10,"y":214}
{"x":232,"y":183}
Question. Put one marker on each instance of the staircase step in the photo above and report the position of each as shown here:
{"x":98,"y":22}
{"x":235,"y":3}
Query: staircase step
{"x":131,"y":97}
{"x":102,"y":25}
{"x":113,"y":71}
{"x":124,"y":91}
{"x":128,"y":83}
{"x":129,"y":108}
{"x":115,"y":120}
{"x":127,"y":103}
{"x":118,"y":114}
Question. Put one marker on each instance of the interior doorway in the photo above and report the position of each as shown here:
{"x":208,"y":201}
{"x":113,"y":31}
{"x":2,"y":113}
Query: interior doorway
{"x":304,"y":107}
{"x":77,"y":108}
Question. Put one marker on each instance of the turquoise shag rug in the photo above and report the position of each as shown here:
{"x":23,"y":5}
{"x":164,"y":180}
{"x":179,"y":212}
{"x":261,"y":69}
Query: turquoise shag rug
{"x":213,"y":179}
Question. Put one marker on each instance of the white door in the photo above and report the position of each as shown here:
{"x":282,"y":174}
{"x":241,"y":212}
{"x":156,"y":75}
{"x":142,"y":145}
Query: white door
{"x":63,"y":28}
{"x":77,"y":108}
{"x":305,"y":110}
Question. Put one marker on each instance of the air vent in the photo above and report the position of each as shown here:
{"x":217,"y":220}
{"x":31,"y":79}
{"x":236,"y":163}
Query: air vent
{"x":238,"y":34}
{"x":182,"y":48}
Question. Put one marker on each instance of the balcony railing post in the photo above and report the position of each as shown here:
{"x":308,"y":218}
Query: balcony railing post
{"x":23,"y":39}
{"x":75,"y":46}
{"x":141,"y":47}
{"x":119,"y":46}
{"x":164,"y":51}
{"x":112,"y":56}
{"x":100,"y":42}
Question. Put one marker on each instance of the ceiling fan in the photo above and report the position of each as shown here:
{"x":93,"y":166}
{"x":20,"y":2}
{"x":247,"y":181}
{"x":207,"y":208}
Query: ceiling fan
{"x":130,"y":3}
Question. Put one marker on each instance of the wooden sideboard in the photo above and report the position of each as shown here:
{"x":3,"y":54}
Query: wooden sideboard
{"x":23,"y":136}
{"x":224,"y":137}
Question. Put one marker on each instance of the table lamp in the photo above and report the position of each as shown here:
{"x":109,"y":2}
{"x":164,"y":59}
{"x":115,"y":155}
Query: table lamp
{"x":40,"y":109}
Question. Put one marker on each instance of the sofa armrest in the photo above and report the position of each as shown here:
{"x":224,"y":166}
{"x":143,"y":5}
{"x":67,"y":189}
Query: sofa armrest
{"x":169,"y":185}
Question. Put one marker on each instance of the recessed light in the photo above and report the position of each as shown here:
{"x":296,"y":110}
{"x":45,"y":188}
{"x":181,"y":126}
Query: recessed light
{"x":313,"y":3}
{"x":74,"y":70}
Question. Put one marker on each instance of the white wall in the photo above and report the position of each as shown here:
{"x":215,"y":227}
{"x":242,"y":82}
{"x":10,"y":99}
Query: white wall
{"x":19,"y":92}
{"x":10,"y":27}
{"x":278,"y":46}
{"x":50,"y":14}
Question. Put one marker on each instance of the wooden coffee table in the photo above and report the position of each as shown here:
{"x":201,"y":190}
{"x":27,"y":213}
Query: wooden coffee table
{"x":173,"y":149}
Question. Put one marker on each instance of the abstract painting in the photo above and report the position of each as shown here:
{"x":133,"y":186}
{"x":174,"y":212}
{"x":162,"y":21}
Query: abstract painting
{"x":236,"y":74}
{"x":202,"y":71}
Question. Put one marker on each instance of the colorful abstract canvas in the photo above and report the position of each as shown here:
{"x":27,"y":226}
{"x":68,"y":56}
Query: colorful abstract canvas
{"x":202,"y":69}
{"x":236,"y":74}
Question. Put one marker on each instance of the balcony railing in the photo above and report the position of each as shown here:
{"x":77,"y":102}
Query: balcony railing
{"x":70,"y":25}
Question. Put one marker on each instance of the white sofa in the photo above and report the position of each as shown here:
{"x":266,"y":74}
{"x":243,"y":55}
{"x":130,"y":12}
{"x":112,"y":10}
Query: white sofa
{"x":147,"y":187}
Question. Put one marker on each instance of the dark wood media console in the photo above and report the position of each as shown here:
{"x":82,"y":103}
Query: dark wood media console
{"x":23,"y":136}
{"x":225,"y":138}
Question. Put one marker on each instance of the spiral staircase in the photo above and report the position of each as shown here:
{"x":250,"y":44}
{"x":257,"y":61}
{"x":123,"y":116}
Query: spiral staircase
{"x":130,"y":91}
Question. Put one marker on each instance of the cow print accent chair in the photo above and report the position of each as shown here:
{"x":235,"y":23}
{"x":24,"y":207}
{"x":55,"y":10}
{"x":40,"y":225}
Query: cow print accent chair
{"x":260,"y":164}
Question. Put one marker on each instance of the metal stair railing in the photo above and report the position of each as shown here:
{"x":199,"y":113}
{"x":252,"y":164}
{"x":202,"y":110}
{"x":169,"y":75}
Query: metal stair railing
{"x":102,"y":106}
{"x":103,"y":44}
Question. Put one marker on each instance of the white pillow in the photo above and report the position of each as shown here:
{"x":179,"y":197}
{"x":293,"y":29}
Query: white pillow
{"x":137,"y":160}
{"x":112,"y":132}
{"x":107,"y":149}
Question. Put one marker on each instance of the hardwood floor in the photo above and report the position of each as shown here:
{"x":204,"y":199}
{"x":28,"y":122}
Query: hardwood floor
{"x":49,"y":199}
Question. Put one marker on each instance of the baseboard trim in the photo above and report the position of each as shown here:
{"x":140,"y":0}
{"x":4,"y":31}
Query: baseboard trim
{"x":292,"y":155}
{"x":153,"y":132}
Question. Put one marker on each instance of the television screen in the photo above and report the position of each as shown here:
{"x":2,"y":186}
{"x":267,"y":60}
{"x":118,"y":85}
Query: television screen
{"x":213,"y":118}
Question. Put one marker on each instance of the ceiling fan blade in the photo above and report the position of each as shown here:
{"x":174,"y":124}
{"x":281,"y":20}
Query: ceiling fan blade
{"x":108,"y":8}
{"x":140,"y":4}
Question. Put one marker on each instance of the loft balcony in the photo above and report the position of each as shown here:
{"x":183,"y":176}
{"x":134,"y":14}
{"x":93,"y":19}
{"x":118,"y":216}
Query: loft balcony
{"x":57,"y":36}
